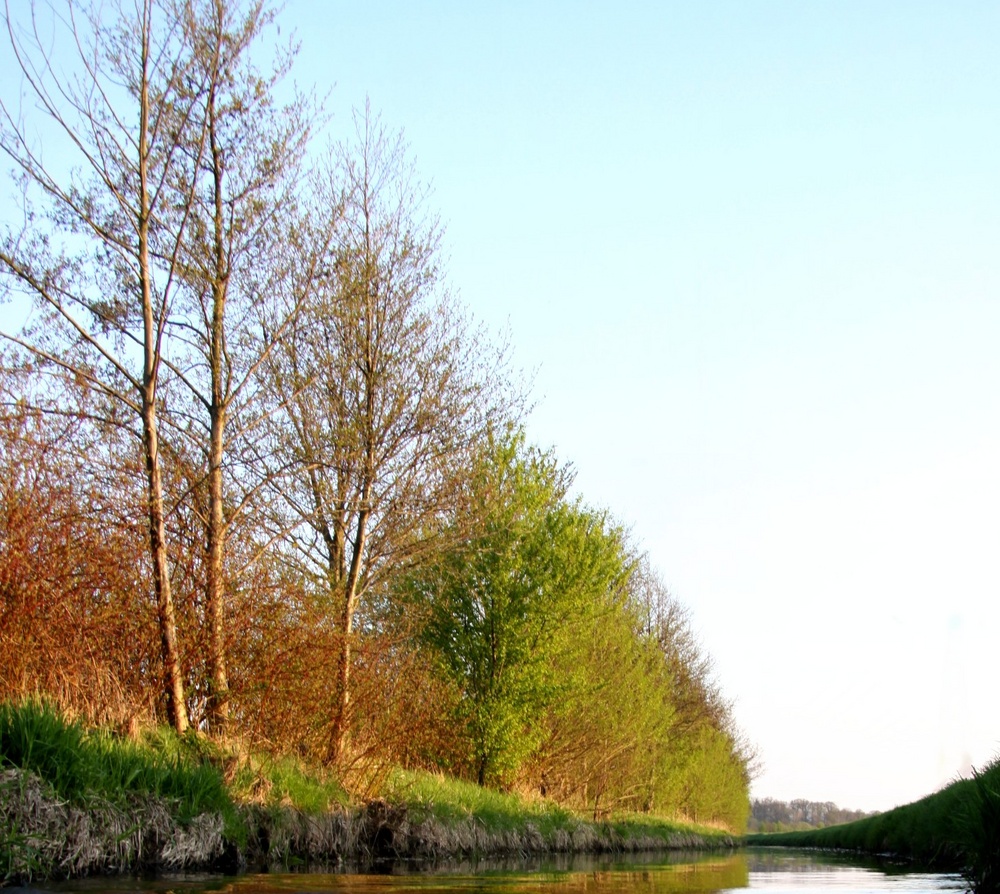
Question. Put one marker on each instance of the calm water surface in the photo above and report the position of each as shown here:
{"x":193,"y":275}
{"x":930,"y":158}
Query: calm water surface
{"x":781,"y":872}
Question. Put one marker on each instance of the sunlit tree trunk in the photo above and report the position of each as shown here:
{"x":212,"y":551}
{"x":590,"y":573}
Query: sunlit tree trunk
{"x":217,"y":411}
{"x":174,"y":684}
{"x":245,"y":278}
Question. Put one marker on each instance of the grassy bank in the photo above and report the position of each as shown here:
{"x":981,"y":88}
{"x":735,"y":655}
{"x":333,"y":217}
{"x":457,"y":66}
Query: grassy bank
{"x":956,"y":828}
{"x":76,"y":801}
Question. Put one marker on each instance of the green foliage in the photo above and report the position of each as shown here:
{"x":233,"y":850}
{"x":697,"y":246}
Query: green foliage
{"x":506,"y":602}
{"x":572,"y":680}
{"x":977,"y":829}
{"x":607,"y":734}
{"x":713,"y":778}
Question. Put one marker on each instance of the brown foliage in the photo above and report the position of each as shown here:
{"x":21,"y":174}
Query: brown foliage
{"x":285,"y":667}
{"x":75,"y":622}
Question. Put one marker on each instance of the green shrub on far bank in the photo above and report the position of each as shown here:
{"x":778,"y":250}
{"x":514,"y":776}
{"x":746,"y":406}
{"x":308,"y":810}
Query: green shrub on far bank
{"x":955,"y":828}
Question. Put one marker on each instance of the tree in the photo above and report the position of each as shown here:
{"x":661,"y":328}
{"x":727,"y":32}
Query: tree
{"x":606,"y":734}
{"x":97,"y":261}
{"x":247,"y":267}
{"x":706,"y":763}
{"x":382,"y":389}
{"x":508,"y":600}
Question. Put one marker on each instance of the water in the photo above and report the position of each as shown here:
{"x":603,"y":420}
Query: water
{"x":772,"y":871}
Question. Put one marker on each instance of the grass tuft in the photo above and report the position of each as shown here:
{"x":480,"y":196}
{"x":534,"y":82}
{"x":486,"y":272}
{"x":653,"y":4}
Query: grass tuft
{"x":287,"y":782}
{"x":36,"y":737}
{"x":84,"y":767}
{"x":977,"y":829}
{"x":448,"y":800}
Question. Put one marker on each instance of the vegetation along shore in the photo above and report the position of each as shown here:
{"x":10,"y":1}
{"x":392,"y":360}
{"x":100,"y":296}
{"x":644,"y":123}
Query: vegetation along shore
{"x":957,"y":828}
{"x":76,"y":802}
{"x":264,"y":483}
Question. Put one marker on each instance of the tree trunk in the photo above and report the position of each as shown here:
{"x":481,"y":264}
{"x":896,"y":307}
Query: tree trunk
{"x":335,"y":749}
{"x":173,"y":681}
{"x":218,"y":704}
{"x":218,"y":701}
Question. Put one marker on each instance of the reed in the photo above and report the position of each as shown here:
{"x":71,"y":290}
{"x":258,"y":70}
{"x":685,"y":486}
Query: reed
{"x":977,"y":829}
{"x":957,"y":828}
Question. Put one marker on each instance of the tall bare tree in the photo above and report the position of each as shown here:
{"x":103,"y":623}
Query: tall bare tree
{"x":383,"y":387}
{"x":113,"y":89}
{"x":247,"y":268}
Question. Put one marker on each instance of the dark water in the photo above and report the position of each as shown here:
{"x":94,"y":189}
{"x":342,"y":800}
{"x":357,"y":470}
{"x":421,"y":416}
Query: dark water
{"x":775,"y":871}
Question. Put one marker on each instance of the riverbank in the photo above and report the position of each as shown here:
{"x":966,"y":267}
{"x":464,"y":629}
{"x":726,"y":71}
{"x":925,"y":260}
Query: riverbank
{"x":77,"y":802}
{"x":957,"y":829}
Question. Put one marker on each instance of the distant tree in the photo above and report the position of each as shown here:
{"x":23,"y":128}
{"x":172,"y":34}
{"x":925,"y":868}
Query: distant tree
{"x":770,"y":815}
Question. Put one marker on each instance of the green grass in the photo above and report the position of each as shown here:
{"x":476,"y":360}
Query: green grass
{"x":955,"y":828}
{"x":193,"y":773}
{"x":449,"y":800}
{"x":430,"y":794}
{"x":633,"y":825}
{"x":286,"y":781}
{"x":82,"y":766}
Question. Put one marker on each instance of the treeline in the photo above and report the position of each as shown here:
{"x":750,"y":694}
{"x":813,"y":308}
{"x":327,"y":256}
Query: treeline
{"x":261,"y":476}
{"x":769,"y":815}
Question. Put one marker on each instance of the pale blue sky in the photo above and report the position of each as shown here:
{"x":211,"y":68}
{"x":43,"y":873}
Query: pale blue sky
{"x":751,"y":249}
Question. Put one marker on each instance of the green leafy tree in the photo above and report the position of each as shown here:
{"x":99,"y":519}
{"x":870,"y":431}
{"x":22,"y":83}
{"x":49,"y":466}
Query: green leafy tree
{"x":503,"y":605}
{"x":607,"y":734}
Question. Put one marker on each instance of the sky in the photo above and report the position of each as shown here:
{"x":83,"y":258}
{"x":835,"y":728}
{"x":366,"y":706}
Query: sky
{"x":748,"y":252}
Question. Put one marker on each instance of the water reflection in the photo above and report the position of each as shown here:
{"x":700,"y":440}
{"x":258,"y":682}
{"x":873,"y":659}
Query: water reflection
{"x":773,"y":871}
{"x":782,"y":872}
